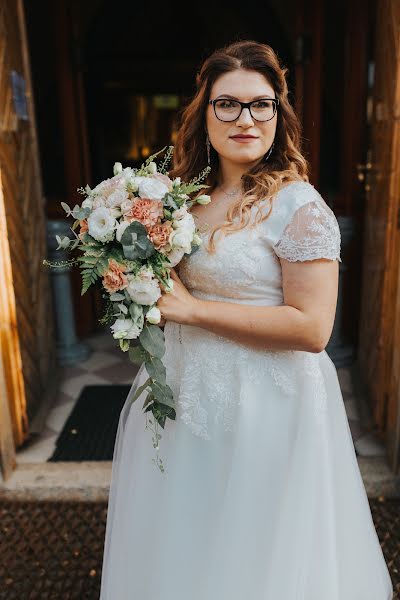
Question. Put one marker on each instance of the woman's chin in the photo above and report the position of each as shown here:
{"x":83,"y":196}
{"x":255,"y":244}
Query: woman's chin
{"x":244,"y":158}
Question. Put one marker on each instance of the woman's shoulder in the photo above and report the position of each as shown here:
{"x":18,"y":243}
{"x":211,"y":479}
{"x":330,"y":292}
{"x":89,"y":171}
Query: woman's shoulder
{"x":298,"y":192}
{"x":288,"y":201}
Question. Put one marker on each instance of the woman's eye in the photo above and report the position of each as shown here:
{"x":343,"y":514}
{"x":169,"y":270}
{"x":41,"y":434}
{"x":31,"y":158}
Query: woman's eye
{"x":263,"y":104}
{"x":226,"y":104}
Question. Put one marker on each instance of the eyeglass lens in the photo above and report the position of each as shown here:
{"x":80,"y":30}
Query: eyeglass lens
{"x":229,"y":110}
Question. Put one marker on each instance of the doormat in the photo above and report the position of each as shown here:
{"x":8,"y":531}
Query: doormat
{"x":90,"y":431}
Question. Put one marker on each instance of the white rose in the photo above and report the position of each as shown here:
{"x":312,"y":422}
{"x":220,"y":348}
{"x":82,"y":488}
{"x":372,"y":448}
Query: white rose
{"x":179,"y":213}
{"x":204,"y":199}
{"x":177,"y":181}
{"x":117,"y":168}
{"x":187,"y":223}
{"x":153,"y":315}
{"x":181,"y":238}
{"x":101,"y":224}
{"x":98,"y":202}
{"x":152,"y":167}
{"x":151,"y":188}
{"x":144,"y":292}
{"x":175,"y":256}
{"x":100,"y":187}
{"x":120,"y":229}
{"x":137,"y":179}
{"x":87,"y":203}
{"x":125,"y":329}
{"x":115,"y":199}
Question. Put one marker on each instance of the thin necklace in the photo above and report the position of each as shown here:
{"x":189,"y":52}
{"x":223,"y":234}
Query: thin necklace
{"x":231,"y":194}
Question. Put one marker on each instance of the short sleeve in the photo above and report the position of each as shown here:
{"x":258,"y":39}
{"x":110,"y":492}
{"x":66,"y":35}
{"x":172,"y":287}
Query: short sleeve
{"x":311,"y":232}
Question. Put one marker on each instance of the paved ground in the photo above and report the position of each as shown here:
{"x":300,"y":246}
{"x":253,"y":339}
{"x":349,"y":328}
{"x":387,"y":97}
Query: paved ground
{"x":54,"y":550}
{"x":107,"y":364}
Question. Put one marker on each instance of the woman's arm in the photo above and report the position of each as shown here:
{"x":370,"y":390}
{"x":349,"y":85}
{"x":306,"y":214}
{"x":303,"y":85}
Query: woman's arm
{"x":304,"y":322}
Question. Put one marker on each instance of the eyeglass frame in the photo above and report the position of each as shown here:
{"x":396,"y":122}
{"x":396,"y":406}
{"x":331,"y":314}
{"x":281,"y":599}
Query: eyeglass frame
{"x":246,"y":105}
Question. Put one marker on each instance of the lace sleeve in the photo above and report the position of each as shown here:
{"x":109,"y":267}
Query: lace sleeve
{"x":312,"y":232}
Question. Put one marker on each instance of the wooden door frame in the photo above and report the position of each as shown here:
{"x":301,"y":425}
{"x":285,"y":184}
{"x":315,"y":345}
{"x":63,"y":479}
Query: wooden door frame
{"x":382,"y":379}
{"x":13,"y":409}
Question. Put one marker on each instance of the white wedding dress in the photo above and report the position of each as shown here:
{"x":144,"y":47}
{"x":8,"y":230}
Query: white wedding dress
{"x":262,"y":497}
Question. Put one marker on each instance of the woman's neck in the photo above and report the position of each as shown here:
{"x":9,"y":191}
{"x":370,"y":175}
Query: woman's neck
{"x":230,"y":174}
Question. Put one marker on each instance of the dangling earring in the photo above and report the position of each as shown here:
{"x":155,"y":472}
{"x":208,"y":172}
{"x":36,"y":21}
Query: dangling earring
{"x":208,"y":149}
{"x":269,"y":152}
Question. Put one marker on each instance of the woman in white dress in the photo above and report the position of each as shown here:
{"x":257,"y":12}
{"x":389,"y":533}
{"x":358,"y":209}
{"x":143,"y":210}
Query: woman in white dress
{"x":261,"y":496}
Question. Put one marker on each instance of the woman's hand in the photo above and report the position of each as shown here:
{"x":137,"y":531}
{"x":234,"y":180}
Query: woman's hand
{"x":177,"y":305}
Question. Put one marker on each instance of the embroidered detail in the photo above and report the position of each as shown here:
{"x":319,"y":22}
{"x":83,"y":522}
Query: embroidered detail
{"x":313,"y":232}
{"x":208,"y":372}
{"x":207,"y":378}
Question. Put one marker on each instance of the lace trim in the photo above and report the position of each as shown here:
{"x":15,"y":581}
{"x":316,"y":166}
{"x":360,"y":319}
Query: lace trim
{"x":313,"y":232}
{"x":204,"y":398}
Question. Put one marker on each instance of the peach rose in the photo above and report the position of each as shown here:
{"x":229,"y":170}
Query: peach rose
{"x":159,"y":234}
{"x":115,"y":279}
{"x":84,"y":228}
{"x":145,"y":211}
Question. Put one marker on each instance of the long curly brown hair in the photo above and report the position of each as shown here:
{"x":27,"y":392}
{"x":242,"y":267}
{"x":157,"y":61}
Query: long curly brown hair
{"x":264,"y":180}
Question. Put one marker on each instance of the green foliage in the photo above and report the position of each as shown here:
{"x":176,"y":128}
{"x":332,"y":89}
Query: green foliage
{"x":140,"y":389}
{"x":156,"y":369}
{"x":162,"y":167}
{"x":94,"y":262}
{"x":135,"y":243}
{"x":138,"y":355}
{"x":194,"y":184}
{"x":153,"y":340}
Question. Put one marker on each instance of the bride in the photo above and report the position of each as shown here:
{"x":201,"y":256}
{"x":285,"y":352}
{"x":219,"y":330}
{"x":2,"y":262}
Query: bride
{"x":261,"y":496}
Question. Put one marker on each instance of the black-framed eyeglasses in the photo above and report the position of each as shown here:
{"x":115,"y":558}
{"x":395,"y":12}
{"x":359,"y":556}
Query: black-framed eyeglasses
{"x":263,"y":109}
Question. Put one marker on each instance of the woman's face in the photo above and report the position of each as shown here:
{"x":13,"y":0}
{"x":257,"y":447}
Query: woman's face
{"x":245,"y":86}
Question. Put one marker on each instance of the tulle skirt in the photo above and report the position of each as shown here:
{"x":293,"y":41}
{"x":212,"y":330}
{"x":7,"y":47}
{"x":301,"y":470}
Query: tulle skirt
{"x":273,"y":508}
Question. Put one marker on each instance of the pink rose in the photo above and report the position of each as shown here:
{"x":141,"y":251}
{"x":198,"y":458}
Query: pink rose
{"x":145,"y":211}
{"x":84,"y":228}
{"x":159,"y":234}
{"x":115,"y":279}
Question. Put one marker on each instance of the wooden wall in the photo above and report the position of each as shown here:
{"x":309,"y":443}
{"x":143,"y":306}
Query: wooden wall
{"x":25,"y":297}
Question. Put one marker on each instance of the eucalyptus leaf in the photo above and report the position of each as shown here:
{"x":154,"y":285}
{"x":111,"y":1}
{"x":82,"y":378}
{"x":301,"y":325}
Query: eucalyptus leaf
{"x":66,"y":207}
{"x":136,"y":311}
{"x":140,"y":390}
{"x":156,"y":369}
{"x":163,"y":393}
{"x":117,"y":297}
{"x":149,"y":399}
{"x":132,"y":232}
{"x":123,"y":308}
{"x":153,"y":340}
{"x":138,"y":355}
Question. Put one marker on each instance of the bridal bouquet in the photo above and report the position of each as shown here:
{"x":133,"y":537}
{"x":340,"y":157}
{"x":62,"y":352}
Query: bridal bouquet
{"x":133,"y":228}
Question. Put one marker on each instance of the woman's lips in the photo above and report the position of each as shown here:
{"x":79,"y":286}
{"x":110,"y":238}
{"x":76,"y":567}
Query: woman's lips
{"x":244,"y":139}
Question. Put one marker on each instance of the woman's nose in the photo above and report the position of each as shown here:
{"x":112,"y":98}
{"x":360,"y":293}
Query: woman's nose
{"x":245,"y":117}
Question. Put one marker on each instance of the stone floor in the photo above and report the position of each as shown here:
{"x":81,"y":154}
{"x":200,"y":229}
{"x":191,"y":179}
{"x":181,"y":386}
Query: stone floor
{"x":107,"y":364}
{"x":54,"y":550}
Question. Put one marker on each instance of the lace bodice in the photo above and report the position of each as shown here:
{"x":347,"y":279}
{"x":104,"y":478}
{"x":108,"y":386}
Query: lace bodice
{"x":246,"y":266}
{"x":246,"y":269}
